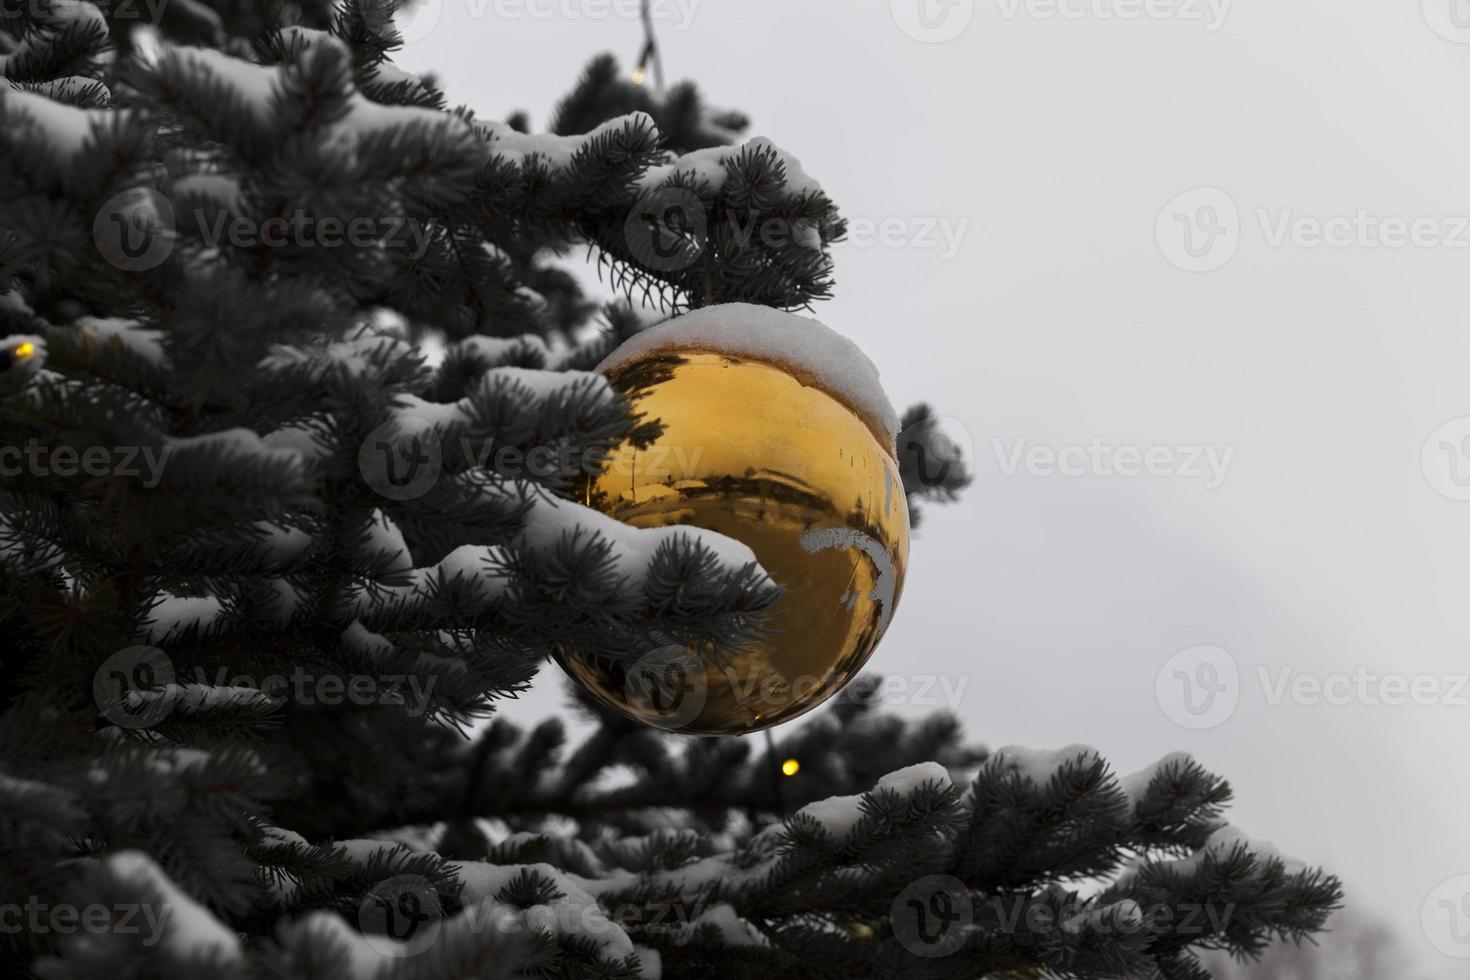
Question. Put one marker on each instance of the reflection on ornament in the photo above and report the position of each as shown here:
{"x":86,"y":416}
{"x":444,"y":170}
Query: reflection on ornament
{"x":753,"y":451}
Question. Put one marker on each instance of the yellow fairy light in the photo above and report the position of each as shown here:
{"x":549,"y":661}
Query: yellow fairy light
{"x":25,"y":350}
{"x":639,"y":75}
{"x":790,"y":767}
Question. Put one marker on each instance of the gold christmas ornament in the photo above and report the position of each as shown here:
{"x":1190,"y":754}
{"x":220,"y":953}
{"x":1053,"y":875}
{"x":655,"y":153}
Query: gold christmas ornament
{"x":775,"y":433}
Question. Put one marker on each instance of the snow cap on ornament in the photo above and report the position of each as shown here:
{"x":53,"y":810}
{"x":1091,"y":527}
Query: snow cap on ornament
{"x":806,"y":348}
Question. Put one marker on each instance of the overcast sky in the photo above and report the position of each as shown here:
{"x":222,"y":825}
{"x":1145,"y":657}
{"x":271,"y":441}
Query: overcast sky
{"x":1021,"y":262}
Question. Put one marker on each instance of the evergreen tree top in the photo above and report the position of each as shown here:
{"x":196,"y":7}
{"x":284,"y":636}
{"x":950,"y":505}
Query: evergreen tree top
{"x":254,"y":677}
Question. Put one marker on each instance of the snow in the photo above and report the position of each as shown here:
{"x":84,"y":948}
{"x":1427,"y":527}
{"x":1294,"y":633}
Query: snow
{"x":633,"y":548}
{"x":650,"y":962}
{"x":362,"y":850}
{"x":68,"y":88}
{"x":298,"y":438}
{"x":57,"y":15}
{"x":67,"y":13}
{"x":733,"y":930}
{"x":413,"y":414}
{"x":384,"y":537}
{"x":576,"y":913}
{"x":906,"y":781}
{"x":309,"y":37}
{"x":1135,"y":785}
{"x":816,"y":354}
{"x":709,"y":167}
{"x":177,"y":613}
{"x":557,"y":152}
{"x":1125,"y":916}
{"x":839,"y":814}
{"x":65,"y":127}
{"x":256,"y":84}
{"x":694,"y":878}
{"x":388,"y":73}
{"x":187,"y":699}
{"x":279,"y":543}
{"x":191,"y":932}
{"x":12,"y":300}
{"x":493,"y":350}
{"x":365,"y":961}
{"x":289,"y":600}
{"x":239,"y":442}
{"x":220,"y":189}
{"x":358,"y":639}
{"x":280,"y":835}
{"x":355,"y":356}
{"x":125,"y":334}
{"x":473,"y":562}
{"x":547,"y":385}
{"x":54,"y":797}
{"x":1039,"y":765}
{"x":365,"y":118}
{"x":1226,"y":838}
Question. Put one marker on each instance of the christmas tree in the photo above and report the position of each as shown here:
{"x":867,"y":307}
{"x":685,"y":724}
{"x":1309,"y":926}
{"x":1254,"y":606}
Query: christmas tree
{"x":256,"y":678}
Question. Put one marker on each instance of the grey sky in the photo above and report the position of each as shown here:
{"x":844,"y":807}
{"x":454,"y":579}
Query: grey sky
{"x":1047,"y":147}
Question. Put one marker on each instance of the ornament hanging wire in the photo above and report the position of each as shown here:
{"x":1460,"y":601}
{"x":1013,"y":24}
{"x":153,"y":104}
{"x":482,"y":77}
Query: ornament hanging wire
{"x":650,"y":54}
{"x":780,"y":797}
